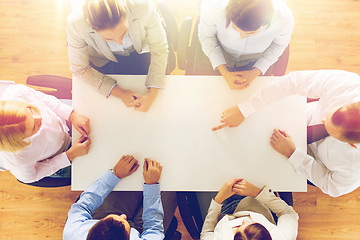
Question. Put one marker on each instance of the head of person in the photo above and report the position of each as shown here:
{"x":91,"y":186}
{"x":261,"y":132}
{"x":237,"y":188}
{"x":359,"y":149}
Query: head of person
{"x":251,"y":231}
{"x":18,"y":121}
{"x":108,"y":18}
{"x":344,"y":123}
{"x":249,"y":16}
{"x":112,"y":227}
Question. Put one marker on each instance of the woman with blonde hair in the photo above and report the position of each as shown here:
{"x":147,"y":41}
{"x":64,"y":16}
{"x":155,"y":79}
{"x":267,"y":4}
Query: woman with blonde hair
{"x":34,"y":139}
{"x":118,"y":37}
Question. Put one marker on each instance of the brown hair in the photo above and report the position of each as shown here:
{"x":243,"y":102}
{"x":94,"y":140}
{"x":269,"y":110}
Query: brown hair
{"x":105,"y":14}
{"x":249,"y":15}
{"x":108,"y":229}
{"x":254,"y":231}
{"x":348,"y":118}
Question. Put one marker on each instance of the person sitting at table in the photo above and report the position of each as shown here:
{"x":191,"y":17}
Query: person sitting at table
{"x":34,"y":139}
{"x":231,"y":215}
{"x":123,"y":218}
{"x":118,"y":37}
{"x":243,"y":38}
{"x":335,"y":167}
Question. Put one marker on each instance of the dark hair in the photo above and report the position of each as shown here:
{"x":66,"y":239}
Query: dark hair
{"x":254,"y":231}
{"x":348,"y":118}
{"x":104,"y":14}
{"x":108,"y":229}
{"x":249,"y":15}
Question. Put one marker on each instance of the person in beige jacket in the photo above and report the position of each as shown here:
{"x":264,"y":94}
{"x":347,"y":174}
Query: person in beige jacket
{"x":118,"y":37}
{"x":251,"y":218}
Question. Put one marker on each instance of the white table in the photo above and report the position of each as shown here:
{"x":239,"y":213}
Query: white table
{"x":176,"y":131}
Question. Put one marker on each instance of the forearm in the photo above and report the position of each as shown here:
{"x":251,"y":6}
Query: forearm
{"x":211,"y":220}
{"x":153,"y":213}
{"x":334,"y":183}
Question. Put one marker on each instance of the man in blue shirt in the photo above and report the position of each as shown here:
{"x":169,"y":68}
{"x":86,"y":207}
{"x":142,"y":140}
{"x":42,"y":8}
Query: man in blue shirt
{"x":81,"y":225}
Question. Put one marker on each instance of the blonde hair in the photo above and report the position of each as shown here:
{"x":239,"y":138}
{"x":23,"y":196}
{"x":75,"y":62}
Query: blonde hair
{"x":12,"y":125}
{"x":105,"y":14}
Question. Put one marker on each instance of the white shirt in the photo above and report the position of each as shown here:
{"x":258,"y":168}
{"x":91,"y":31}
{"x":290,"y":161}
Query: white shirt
{"x":336,"y":167}
{"x":34,"y":163}
{"x":271,"y":41}
{"x":115,"y":47}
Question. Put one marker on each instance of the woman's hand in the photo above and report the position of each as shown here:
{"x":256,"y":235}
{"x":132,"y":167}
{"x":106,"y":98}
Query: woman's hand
{"x":282,"y":143}
{"x":144,"y":103}
{"x":126,"y":96}
{"x":79,"y":148}
{"x":81,"y":123}
{"x":244,"y":188}
{"x":226,"y":190}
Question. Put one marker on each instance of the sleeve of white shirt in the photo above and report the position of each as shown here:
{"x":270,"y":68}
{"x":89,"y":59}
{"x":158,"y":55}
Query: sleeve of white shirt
{"x":62,"y":110}
{"x":312,"y":84}
{"x":334,"y":183}
{"x":287,"y":225}
{"x":35,"y":170}
{"x":207,"y":36}
{"x":277,"y":47}
{"x":212,"y":217}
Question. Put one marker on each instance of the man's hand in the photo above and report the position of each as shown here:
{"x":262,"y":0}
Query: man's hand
{"x":80,"y":122}
{"x":226,"y":190}
{"x":282,"y":143}
{"x":244,"y":188}
{"x":79,"y":148}
{"x":151,"y":171}
{"x":231,"y":117}
{"x":144,"y":103}
{"x":126,"y":166}
{"x":127,"y":96}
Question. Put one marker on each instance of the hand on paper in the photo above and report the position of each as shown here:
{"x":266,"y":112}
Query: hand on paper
{"x":126,"y":166}
{"x":226,"y":190}
{"x":244,"y":188}
{"x":282,"y":143}
{"x":231,"y":117}
{"x":81,"y":123}
{"x":79,"y":148}
{"x":151,"y":171}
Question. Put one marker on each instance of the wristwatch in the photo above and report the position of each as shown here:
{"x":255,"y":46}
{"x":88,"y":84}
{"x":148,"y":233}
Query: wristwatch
{"x":112,"y":171}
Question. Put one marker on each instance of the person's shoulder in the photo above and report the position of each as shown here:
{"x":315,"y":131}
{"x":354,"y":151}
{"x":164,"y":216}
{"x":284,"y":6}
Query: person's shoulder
{"x":139,"y":8}
{"x":282,"y":11}
{"x":77,"y":17}
{"x":213,"y":6}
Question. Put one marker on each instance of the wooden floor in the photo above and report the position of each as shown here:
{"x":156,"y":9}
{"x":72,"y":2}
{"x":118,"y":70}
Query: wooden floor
{"x":32,"y":41}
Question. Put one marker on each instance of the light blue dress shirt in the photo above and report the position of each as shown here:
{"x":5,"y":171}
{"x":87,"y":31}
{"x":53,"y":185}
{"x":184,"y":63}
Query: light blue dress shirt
{"x":80,"y":215}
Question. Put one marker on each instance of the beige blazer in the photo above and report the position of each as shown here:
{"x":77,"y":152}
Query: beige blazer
{"x":257,"y":209}
{"x":145,"y":30}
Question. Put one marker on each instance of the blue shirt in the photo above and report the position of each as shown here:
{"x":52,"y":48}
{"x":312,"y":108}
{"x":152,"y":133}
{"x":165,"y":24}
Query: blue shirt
{"x":80,"y":215}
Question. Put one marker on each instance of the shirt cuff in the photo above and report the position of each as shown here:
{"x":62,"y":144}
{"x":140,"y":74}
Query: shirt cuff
{"x":153,"y":86}
{"x":110,"y":179}
{"x":262,"y":64}
{"x":64,"y":111}
{"x":297,"y":158}
{"x":108,"y":95}
{"x":151,"y":189}
{"x":217,"y":60}
{"x":62,"y":161}
{"x":246,"y":109}
{"x":264,"y":194}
